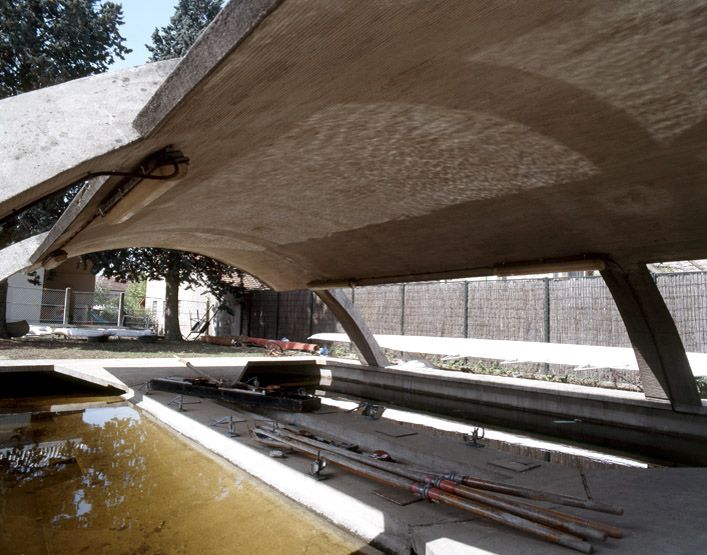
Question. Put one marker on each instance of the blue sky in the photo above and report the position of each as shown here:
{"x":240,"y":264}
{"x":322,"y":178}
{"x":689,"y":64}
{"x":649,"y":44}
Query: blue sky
{"x":141,"y":17}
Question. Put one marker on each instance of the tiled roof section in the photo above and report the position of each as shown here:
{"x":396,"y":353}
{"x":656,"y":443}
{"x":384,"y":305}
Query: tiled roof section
{"x":247,"y":281}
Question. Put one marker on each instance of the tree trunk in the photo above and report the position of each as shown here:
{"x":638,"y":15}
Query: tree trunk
{"x":171,"y":306}
{"x":3,"y":309}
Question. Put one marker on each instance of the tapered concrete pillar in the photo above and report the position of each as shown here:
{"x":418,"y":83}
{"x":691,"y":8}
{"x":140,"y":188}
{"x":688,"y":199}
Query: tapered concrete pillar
{"x":354,"y":326}
{"x":662,"y":361}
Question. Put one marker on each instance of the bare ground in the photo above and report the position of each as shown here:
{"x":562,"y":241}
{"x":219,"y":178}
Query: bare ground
{"x":44,"y":348}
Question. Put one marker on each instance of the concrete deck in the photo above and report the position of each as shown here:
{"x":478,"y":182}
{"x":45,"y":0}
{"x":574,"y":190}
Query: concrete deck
{"x":648,"y":495}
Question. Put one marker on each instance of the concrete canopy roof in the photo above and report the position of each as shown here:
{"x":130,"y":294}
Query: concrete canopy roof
{"x":364,"y":142}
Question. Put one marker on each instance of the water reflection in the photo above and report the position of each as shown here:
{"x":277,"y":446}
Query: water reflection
{"x":108,"y":480}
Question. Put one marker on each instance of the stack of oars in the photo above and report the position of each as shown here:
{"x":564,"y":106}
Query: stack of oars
{"x":467,"y":493}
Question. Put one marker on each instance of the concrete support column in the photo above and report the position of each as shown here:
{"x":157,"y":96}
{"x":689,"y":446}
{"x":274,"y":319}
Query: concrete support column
{"x":664,"y":367}
{"x":354,"y":326}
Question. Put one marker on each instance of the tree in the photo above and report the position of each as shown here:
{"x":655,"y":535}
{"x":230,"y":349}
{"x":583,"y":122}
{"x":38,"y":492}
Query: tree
{"x":189,"y":19}
{"x":176,"y":268}
{"x":46,"y":42}
{"x":42,"y":43}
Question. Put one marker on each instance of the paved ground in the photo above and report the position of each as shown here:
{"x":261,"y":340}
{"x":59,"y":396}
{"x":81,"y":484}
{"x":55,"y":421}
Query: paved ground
{"x":664,"y":507}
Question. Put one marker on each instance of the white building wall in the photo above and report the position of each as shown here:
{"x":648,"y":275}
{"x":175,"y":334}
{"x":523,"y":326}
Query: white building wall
{"x":193,"y":304}
{"x":24,"y":300}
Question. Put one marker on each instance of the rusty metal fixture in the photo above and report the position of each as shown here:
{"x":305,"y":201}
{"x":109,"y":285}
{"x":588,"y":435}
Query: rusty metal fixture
{"x":610,"y":531}
{"x":472,"y":440}
{"x":538,"y":495}
{"x":581,"y":527}
{"x":381,"y":456}
{"x":531,"y":512}
{"x":540,"y":530}
{"x":434,"y":494}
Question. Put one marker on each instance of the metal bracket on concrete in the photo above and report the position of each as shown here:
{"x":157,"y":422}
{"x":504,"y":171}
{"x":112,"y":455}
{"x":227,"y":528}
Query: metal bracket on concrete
{"x":370,"y":410}
{"x":146,"y":388}
{"x":354,"y":326}
{"x":230,"y":422}
{"x":179,"y":402}
{"x":662,"y":361}
{"x":472,"y":439}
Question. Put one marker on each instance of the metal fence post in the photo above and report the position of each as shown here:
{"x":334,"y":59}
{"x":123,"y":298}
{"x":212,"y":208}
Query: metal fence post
{"x":67,"y":306}
{"x":240,"y":317}
{"x":546,"y":310}
{"x":466,"y":309}
{"x":277,"y":315}
{"x":311,"y":313}
{"x":250,"y":313}
{"x":402,"y":309}
{"x":121,"y":308}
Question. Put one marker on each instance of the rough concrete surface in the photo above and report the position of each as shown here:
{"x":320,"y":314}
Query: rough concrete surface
{"x":52,"y":130}
{"x":16,"y":258}
{"x":664,"y":507}
{"x":373,"y":141}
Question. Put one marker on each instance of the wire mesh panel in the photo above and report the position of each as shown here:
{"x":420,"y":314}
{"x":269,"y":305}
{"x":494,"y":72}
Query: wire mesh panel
{"x":263,"y":314}
{"x":137,"y":312}
{"x":381,"y":307}
{"x":295,"y":311}
{"x":95,"y":309}
{"x":24,"y":303}
{"x":583,"y":312}
{"x":434,"y":309}
{"x":52,"y":308}
{"x":685,"y":295}
{"x":507,"y":309}
{"x":323,"y":319}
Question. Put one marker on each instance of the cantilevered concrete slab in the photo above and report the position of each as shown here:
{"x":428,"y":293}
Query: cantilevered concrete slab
{"x":51,"y":137}
{"x":362,"y":142}
{"x":337,"y":143}
{"x":16,"y":257}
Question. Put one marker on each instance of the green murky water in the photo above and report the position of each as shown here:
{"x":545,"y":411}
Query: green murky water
{"x":110,"y":480}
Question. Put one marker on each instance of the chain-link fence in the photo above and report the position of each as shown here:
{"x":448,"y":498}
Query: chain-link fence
{"x":55,"y":307}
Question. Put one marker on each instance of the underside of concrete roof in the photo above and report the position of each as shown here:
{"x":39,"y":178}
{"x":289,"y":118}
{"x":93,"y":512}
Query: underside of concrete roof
{"x":366,"y":142}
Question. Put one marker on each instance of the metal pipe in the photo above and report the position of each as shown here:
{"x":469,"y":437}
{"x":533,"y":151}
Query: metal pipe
{"x":437,"y":495}
{"x":549,"y":534}
{"x":536,"y":514}
{"x":611,"y":531}
{"x":581,"y":527}
{"x":538,"y":495}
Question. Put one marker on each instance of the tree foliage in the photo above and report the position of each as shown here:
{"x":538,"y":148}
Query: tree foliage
{"x":139,"y":264}
{"x":189,"y":19}
{"x":46,"y":42}
{"x":175,"y":267}
{"x":42,"y":43}
{"x":37,"y":217}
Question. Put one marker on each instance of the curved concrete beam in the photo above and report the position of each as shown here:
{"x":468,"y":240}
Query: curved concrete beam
{"x":16,"y":258}
{"x":355,"y":327}
{"x":662,"y":361}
